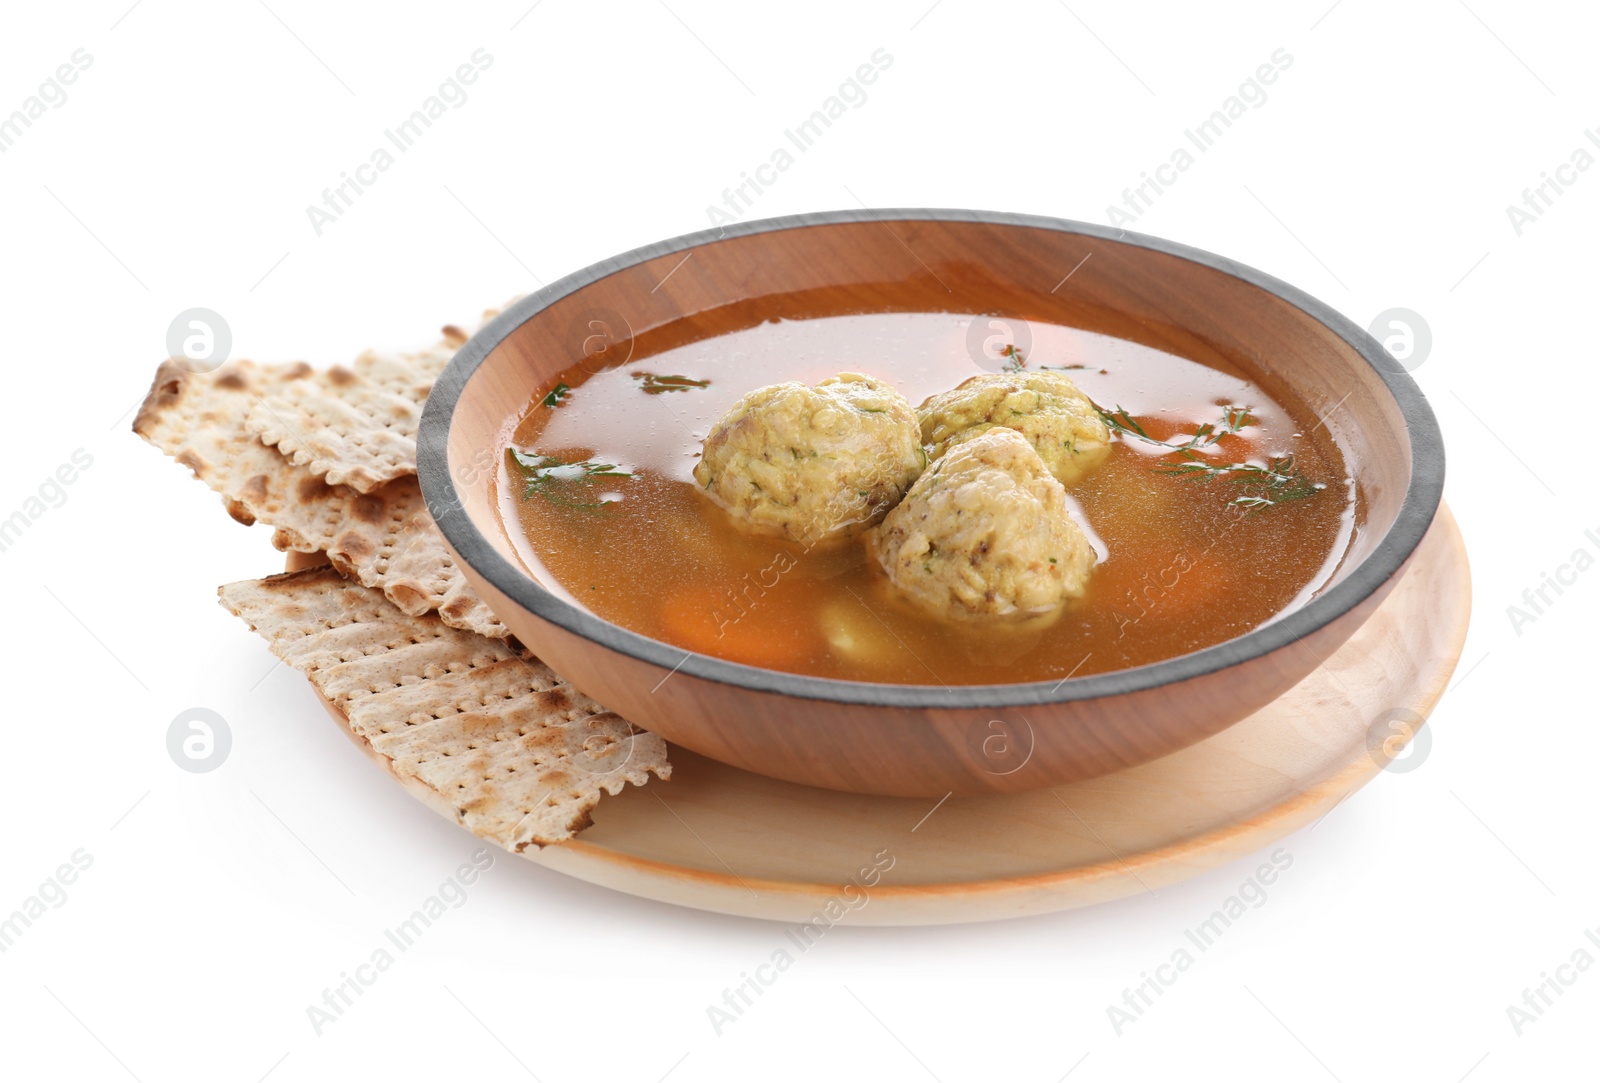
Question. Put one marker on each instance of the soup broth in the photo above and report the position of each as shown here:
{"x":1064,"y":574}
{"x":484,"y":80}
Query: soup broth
{"x":599,"y":495}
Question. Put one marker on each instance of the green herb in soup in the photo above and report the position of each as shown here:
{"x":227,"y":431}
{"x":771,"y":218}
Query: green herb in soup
{"x":653,"y":384}
{"x":560,"y":483}
{"x":1276,"y":482}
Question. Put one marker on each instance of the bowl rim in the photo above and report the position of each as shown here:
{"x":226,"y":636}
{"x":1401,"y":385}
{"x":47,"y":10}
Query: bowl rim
{"x":1419,"y":505}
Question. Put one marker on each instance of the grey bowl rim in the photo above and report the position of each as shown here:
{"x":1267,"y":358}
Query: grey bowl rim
{"x":1423,"y":495}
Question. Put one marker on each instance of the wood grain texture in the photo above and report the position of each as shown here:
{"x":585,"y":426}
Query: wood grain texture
{"x":913,"y":740}
{"x":721,"y":839}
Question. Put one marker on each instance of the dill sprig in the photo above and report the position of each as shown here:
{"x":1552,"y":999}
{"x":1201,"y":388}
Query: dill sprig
{"x":1234,"y":419}
{"x":557,"y":393}
{"x":652,"y":384}
{"x":560,"y":482}
{"x":1279,"y":482}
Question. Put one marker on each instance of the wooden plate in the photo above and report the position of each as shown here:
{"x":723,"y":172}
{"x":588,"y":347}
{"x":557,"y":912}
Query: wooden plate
{"x":720,"y":839}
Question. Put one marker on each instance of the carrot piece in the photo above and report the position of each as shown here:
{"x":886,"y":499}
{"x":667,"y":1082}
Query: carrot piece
{"x":749,"y":628}
{"x":1171,"y":589}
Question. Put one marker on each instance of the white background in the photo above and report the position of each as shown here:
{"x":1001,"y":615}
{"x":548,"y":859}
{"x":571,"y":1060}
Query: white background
{"x":177,"y":174}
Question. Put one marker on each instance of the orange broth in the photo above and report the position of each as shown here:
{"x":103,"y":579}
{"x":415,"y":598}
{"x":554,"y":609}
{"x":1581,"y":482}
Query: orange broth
{"x":1181,"y":566}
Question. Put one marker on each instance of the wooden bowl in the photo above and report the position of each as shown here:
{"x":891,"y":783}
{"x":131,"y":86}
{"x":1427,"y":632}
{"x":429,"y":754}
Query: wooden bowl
{"x":916,"y":740}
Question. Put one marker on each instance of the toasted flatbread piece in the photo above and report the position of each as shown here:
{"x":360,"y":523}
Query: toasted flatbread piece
{"x":197,"y":419}
{"x":354,"y":425}
{"x":384,"y":539}
{"x":521,"y":755}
